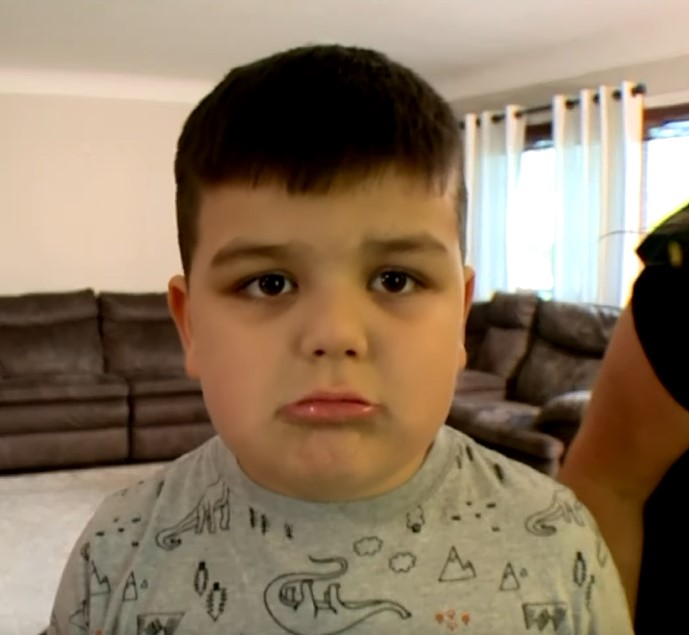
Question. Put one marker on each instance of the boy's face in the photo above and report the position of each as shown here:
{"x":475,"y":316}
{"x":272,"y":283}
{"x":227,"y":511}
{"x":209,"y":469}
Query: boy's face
{"x":357,"y":291}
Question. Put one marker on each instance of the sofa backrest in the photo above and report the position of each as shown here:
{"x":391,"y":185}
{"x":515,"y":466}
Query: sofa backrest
{"x":139,"y":335}
{"x":49,"y":334}
{"x":568,"y":345}
{"x":498,"y":333}
{"x":475,"y":332}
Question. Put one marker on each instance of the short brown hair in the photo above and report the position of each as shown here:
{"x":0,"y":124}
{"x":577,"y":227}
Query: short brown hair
{"x":310,"y":119}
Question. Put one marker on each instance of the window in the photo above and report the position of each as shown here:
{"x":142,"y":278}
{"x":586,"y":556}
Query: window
{"x":531,"y":224}
{"x":666,"y":182}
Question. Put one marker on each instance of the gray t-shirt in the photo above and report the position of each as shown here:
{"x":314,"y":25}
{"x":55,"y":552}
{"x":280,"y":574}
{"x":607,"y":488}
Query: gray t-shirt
{"x":473,"y":543}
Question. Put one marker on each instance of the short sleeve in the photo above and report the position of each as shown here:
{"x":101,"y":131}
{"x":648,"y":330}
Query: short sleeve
{"x":661,"y":314}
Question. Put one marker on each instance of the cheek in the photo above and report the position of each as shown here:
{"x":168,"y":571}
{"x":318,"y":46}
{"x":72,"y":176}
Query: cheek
{"x":233,"y":369}
{"x":442,"y":342}
{"x":428,"y":363}
{"x":236,"y":394}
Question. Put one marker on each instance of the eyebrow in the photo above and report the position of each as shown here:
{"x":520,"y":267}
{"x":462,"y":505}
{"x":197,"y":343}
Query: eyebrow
{"x":240,"y":249}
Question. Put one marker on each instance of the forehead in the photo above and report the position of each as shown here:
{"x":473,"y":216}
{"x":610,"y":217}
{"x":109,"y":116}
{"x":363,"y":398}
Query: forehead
{"x":340,"y":218}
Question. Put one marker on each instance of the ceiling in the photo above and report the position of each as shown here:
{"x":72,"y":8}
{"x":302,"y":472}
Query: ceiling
{"x":465,"y":47}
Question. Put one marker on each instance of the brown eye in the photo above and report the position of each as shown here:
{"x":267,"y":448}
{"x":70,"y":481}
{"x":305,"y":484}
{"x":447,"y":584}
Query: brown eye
{"x":396,"y":282}
{"x":269,"y":285}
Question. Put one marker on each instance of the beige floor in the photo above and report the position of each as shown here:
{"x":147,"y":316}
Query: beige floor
{"x":41,"y":515}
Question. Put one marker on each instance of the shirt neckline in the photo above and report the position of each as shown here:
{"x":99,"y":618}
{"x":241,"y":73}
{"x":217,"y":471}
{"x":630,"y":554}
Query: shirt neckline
{"x":415,"y":490}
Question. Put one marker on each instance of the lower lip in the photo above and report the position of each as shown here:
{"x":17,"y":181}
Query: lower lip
{"x":330,"y":410}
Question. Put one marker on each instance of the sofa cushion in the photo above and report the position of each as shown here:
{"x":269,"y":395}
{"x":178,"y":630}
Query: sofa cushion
{"x":477,"y":321}
{"x":561,"y":417}
{"x":34,"y":309}
{"x":165,"y":401}
{"x":47,"y":416}
{"x":139,"y":336}
{"x":549,"y":371}
{"x":512,"y":310}
{"x":168,"y":410}
{"x":134,"y":307}
{"x":476,"y":326}
{"x":502,"y":350}
{"x":61,"y":388}
{"x":64,"y":449}
{"x":471,"y":380}
{"x":568,"y":407}
{"x":50,"y":333}
{"x":142,"y":348}
{"x":165,"y":442}
{"x":472,"y":345}
{"x":584,"y":328}
{"x":499,"y":413}
{"x":176,"y":385}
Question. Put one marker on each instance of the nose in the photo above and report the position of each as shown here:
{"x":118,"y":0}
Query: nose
{"x":333,"y":325}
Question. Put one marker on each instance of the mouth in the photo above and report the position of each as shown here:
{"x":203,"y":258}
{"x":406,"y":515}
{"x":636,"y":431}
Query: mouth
{"x":330,"y":407}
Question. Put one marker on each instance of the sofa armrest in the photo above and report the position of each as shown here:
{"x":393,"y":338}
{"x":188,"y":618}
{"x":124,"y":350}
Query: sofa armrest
{"x":528,"y":442}
{"x":473,"y":383}
{"x":567,"y":407}
{"x":562,"y":415}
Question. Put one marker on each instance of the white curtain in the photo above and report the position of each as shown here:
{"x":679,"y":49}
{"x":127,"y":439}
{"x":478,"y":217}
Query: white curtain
{"x":598,"y":141}
{"x":493,"y":144}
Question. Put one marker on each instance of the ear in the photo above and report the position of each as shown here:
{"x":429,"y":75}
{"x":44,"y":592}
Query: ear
{"x":469,"y":282}
{"x":469,"y":279}
{"x":178,"y":302}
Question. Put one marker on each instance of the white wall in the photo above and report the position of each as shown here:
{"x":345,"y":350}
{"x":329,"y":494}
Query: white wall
{"x":654,"y":52}
{"x":86,"y":182}
{"x":667,"y":83}
{"x":87,"y":193}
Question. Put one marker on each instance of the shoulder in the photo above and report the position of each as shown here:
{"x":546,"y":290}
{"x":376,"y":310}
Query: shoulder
{"x":543,"y":526}
{"x":493,"y":469}
{"x":125,"y":520}
{"x":545,"y":506}
{"x":124,"y":540}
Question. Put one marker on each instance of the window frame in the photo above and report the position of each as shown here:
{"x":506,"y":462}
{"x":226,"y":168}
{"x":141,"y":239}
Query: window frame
{"x":539,"y":134}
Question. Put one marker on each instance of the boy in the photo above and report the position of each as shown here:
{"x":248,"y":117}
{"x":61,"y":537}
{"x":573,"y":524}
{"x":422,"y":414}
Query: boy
{"x":333,"y":499}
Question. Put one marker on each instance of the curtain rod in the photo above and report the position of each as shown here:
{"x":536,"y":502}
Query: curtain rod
{"x":639,"y":89}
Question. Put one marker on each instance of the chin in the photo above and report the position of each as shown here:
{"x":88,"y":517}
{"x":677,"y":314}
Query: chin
{"x":334,"y":487}
{"x":329,"y":468}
